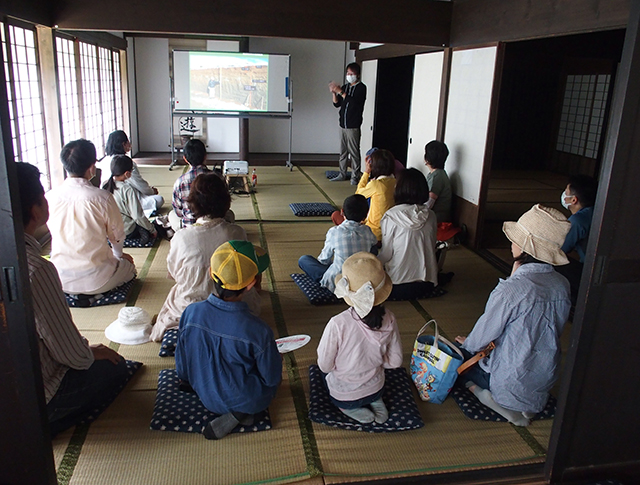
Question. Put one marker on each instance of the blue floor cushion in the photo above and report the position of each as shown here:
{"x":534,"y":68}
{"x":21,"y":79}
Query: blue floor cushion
{"x":317,"y":295}
{"x":177,"y":410}
{"x":334,"y":173}
{"x":132,"y":367}
{"x":398,"y":397}
{"x":169,"y":342}
{"x":113,"y":297}
{"x":138,"y":243}
{"x":474,"y":409}
{"x":302,"y":209}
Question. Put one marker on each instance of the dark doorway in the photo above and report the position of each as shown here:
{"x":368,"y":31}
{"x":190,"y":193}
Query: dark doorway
{"x":393,"y":102}
{"x":554,"y":102}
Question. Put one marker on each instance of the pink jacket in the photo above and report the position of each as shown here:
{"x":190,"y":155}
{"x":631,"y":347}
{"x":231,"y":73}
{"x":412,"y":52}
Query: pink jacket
{"x":354,"y":356}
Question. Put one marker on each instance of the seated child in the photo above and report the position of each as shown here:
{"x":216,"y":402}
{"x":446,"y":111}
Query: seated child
{"x":118,"y":144}
{"x":435,"y":154}
{"x":377,"y":183}
{"x":227,"y":355}
{"x":350,"y":237}
{"x":195,"y":154}
{"x":409,"y":239}
{"x":359,"y":343}
{"x":191,"y":250}
{"x":136,"y":224}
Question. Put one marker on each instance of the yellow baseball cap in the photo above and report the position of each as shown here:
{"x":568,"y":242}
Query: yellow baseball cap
{"x":235,"y":264}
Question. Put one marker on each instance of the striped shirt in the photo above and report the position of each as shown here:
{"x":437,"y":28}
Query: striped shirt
{"x":524,"y":317}
{"x":60,"y":344}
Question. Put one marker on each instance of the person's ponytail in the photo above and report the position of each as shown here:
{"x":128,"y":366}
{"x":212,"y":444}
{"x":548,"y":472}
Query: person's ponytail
{"x":120,"y":164}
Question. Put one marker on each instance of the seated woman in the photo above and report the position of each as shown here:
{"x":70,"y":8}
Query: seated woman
{"x":524,"y":317}
{"x":409,"y":239}
{"x":136,"y":224}
{"x":118,"y":144}
{"x":191,"y":249}
{"x":377,"y":183}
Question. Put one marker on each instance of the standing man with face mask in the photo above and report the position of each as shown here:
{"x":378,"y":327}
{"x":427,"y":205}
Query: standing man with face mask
{"x":350,"y":98}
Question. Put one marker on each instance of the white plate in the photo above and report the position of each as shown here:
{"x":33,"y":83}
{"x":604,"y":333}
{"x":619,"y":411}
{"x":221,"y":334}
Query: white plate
{"x":293,"y":342}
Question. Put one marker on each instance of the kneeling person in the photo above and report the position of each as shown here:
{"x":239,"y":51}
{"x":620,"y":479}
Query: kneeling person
{"x":227,"y":355}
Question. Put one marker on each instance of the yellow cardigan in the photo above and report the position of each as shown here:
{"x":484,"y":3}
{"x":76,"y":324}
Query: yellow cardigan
{"x":380,"y":191}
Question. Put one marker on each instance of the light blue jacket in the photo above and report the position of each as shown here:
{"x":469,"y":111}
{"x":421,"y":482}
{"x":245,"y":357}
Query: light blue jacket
{"x":524,"y":317}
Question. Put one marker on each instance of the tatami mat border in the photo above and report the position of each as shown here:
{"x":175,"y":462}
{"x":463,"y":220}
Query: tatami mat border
{"x":435,"y":470}
{"x":524,"y":433}
{"x":312,"y":455}
{"x":72,"y":453}
{"x":309,"y":444}
{"x":317,"y":187}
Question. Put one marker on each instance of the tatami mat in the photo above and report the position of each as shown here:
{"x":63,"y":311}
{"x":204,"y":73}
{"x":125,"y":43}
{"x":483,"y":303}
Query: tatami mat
{"x":132,"y":453}
{"x":120,"y":447}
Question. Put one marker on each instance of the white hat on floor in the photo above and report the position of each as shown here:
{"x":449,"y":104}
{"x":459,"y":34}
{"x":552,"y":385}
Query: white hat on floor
{"x":132,"y":327}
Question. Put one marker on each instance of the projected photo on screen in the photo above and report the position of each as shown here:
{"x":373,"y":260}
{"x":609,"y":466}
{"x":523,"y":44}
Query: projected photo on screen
{"x":231,"y":82}
{"x":228,"y":82}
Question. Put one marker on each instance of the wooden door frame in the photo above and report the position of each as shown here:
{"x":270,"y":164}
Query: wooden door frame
{"x":610,"y":272}
{"x":24,"y":427}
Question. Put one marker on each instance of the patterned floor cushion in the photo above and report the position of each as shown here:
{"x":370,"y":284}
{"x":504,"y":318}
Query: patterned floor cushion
{"x":474,"y":409}
{"x":169,"y":342}
{"x":113,"y":297}
{"x":317,"y":295}
{"x":138,"y":243}
{"x":334,"y":173}
{"x":176,"y":410}
{"x":307,"y":209}
{"x":398,"y":397}
{"x":133,"y":367}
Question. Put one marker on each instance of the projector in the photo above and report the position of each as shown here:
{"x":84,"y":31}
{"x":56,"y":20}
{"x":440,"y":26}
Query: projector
{"x":235,"y":167}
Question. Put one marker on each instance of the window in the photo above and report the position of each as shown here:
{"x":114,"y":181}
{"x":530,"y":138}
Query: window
{"x":89,"y":80}
{"x":582,"y":118}
{"x":68,"y":90}
{"x":26,"y":110}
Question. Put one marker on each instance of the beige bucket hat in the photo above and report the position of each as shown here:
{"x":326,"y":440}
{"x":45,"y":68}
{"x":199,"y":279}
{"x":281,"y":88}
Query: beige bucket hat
{"x":540,"y":232}
{"x":358,"y":270}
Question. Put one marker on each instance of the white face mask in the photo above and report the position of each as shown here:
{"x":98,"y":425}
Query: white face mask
{"x":351,"y":78}
{"x":563,"y":201}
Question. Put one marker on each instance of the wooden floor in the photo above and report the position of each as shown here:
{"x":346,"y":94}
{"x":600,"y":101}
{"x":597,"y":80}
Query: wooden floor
{"x":119,"y":448}
{"x":512,"y":193}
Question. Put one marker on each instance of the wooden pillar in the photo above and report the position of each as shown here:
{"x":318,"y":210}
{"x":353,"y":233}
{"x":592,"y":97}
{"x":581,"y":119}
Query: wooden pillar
{"x":595,"y":432}
{"x":244,"y":139}
{"x":27,"y":456}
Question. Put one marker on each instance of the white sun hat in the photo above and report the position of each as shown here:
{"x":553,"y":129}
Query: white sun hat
{"x":540,"y":232}
{"x":133,"y":327}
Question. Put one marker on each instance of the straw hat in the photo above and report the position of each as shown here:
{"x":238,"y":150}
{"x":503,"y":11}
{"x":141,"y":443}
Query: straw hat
{"x":361,"y":268}
{"x":540,"y":232}
{"x":132,"y":327}
{"x":236,"y":264}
